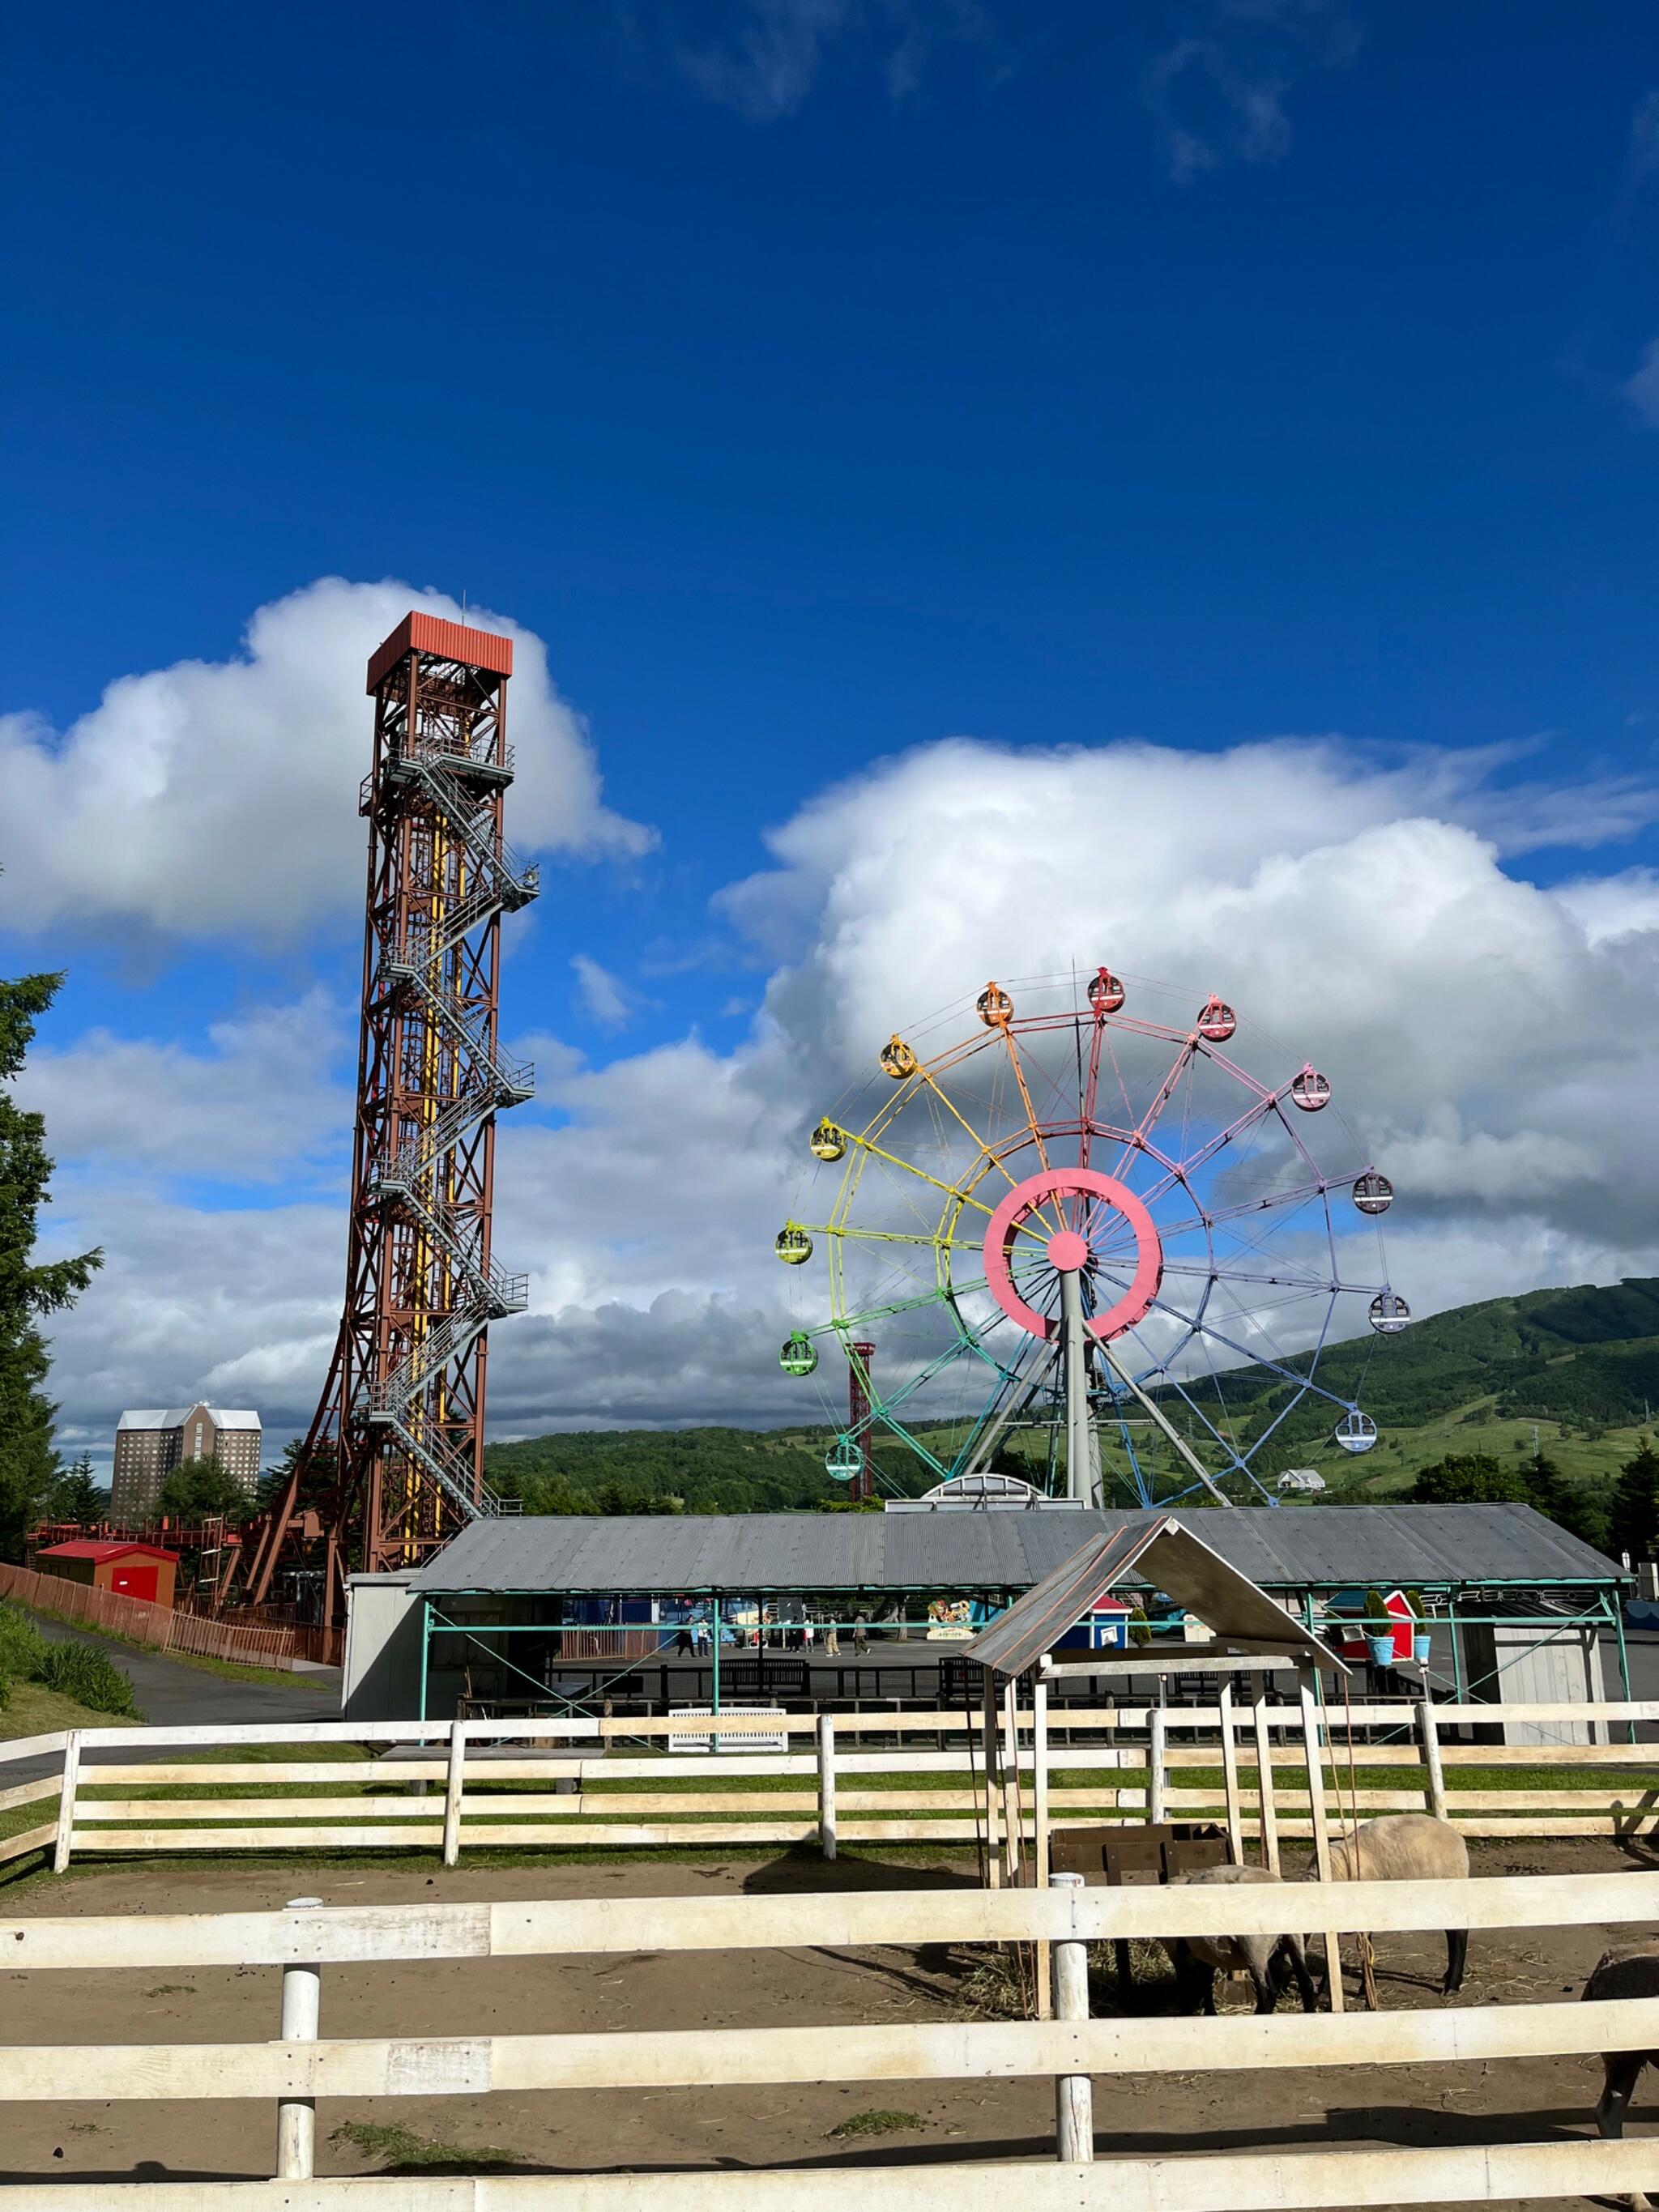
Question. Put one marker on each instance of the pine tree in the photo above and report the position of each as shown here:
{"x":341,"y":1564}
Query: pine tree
{"x":1633,"y":1521}
{"x":28,"y":1291}
{"x":76,"y":1495}
{"x":1569,"y":1504}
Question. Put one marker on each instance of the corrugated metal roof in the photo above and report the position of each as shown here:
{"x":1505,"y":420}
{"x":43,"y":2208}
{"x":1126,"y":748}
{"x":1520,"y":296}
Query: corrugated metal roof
{"x":1160,"y":1550}
{"x":451,"y":640}
{"x":1297,"y":1547}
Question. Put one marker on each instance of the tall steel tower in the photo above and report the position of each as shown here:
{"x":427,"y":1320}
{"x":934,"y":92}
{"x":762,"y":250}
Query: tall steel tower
{"x":392,"y":1465}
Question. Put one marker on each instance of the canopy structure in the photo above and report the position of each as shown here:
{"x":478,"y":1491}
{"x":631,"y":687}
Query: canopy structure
{"x":1160,"y":1550}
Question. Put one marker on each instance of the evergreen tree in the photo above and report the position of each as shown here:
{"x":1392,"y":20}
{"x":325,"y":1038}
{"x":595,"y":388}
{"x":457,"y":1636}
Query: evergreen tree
{"x":76,"y":1495}
{"x":28,"y":1290}
{"x":1571,"y":1505}
{"x":1472,"y":1479}
{"x":197,"y":1487}
{"x":1633,"y":1520}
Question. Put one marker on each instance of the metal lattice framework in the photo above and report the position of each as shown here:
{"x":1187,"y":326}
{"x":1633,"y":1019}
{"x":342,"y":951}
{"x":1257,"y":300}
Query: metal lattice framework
{"x":392,"y":1464}
{"x":1093,"y":1245}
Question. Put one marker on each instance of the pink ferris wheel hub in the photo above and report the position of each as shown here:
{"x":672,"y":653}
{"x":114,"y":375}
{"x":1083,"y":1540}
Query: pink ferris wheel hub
{"x":1013,"y":1232}
{"x":1068,"y":1253}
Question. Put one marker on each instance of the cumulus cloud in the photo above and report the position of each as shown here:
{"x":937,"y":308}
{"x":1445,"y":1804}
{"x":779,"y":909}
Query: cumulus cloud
{"x":216,"y":797}
{"x":264,"y":1101}
{"x":1492,"y":1043}
{"x":1218,"y":95}
{"x":605,"y":996}
{"x":1641,"y":387}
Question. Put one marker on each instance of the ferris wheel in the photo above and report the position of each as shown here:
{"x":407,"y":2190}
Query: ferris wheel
{"x":1053,"y":1238}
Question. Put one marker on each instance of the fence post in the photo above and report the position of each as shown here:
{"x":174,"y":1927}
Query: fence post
{"x":296,"y":2116}
{"x":1265,"y":1786}
{"x":1045,"y":1963}
{"x":1074,"y":2093}
{"x":60,"y":1857}
{"x":989,"y":1741}
{"x":1322,"y":1828}
{"x":1430,"y":1730}
{"x":1156,"y":1804}
{"x":1229,"y":1774}
{"x":827,"y":1785}
{"x":1013,"y":1823}
{"x":455,"y":1783}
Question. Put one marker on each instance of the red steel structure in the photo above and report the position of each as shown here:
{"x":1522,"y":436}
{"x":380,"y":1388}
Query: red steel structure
{"x":392,"y":1465}
{"x":863,"y":1483}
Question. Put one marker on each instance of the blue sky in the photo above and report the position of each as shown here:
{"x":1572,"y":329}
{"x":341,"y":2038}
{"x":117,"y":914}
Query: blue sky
{"x":822,"y":381}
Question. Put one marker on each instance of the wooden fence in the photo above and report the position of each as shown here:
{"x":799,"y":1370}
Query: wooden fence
{"x":165,"y":1628}
{"x":299,"y":2066}
{"x":902,"y":1778}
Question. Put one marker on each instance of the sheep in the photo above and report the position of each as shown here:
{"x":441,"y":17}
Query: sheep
{"x":1406,"y":1847}
{"x":1269,"y":1960}
{"x":1630,"y":1970}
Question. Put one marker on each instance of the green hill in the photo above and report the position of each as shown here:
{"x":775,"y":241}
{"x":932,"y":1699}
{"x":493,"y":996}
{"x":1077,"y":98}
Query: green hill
{"x":1579,"y":1369}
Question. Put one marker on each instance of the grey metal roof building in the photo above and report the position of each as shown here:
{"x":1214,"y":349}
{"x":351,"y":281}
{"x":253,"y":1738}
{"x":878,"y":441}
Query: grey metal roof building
{"x":1307,"y":1547}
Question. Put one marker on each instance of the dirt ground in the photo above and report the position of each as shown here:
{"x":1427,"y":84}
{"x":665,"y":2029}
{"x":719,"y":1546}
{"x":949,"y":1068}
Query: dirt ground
{"x":643,"y":2131}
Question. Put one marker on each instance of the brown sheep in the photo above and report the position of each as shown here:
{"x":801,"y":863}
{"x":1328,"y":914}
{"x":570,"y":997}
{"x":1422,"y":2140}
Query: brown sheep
{"x":1406,"y":1847}
{"x":1269,"y":1960}
{"x":1630,"y":1970}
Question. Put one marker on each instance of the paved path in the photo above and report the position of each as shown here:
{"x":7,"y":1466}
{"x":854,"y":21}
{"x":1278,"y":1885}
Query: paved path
{"x":172,"y":1694}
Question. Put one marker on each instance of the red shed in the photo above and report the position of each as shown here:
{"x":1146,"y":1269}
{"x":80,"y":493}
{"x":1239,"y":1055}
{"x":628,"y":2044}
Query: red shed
{"x":125,"y":1570}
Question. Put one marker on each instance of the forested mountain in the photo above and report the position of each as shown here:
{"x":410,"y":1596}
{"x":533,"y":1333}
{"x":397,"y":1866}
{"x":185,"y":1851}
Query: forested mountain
{"x":1580,"y":1367}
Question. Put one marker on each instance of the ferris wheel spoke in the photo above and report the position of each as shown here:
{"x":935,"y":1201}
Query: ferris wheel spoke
{"x":1246,"y":1352}
{"x":1246,"y":1123}
{"x":987,"y":1152}
{"x":951,"y":1190}
{"x":1242,"y":1209}
{"x":1222,"y":1274}
{"x":856,"y":1323}
{"x":1166,"y":1090}
{"x":1031,"y":1123}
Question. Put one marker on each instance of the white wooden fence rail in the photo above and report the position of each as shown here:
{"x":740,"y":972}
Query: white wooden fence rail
{"x":294,"y":2069}
{"x":1105,"y":1765}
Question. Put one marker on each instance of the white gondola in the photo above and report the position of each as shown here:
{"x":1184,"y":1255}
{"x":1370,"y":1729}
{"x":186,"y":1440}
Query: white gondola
{"x":828,"y":1142}
{"x":1390,"y":1314}
{"x":843,"y":1462}
{"x":1355,"y":1432}
{"x":800,"y":1354}
{"x":1372,"y":1192}
{"x":793,"y":1244}
{"x":1310,"y":1091}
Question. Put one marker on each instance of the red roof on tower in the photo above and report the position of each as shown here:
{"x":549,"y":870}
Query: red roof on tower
{"x":451,"y":640}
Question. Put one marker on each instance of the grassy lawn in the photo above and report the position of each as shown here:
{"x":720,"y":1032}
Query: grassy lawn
{"x":33,"y":1709}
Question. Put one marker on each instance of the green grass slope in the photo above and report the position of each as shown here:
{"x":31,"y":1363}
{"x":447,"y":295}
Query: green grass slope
{"x":1580,"y":1366}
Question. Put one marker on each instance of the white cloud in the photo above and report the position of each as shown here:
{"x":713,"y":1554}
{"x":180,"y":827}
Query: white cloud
{"x":1495,"y":1045}
{"x":769,"y":68}
{"x":605,"y":996}
{"x":211,"y":799}
{"x":1643,"y":159}
{"x":1642,"y":387}
{"x":1612,"y":908}
{"x":1218,"y":95}
{"x":265,"y":1101}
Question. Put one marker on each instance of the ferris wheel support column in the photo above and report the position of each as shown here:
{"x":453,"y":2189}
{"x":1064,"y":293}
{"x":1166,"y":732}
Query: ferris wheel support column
{"x":1082,"y":1449}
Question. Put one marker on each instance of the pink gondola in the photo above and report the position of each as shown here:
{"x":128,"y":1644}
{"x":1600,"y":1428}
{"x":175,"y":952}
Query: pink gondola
{"x":1105,"y":991}
{"x":1216,"y":1020}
